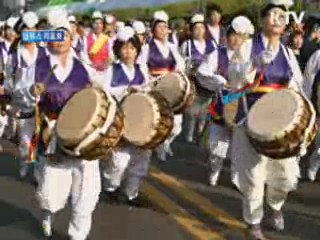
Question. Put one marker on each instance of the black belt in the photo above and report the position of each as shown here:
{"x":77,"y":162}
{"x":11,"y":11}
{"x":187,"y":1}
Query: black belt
{"x":25,"y":115}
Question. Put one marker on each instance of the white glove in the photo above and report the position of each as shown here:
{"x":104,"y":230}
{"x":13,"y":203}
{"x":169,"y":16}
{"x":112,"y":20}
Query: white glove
{"x":264,"y":58}
{"x":219,"y":81}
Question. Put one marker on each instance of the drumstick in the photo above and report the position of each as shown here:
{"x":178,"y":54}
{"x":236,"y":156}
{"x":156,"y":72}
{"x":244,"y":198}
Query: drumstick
{"x":40,"y":88}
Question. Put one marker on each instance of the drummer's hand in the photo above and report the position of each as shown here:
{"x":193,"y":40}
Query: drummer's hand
{"x":264,"y":58}
{"x":220,"y":81}
{"x":132,"y":90}
{"x":38,"y":89}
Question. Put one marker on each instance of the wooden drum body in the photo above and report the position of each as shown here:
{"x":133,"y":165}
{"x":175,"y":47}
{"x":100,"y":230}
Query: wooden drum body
{"x":177,"y":89}
{"x":282,"y":124}
{"x":148,"y":119}
{"x":90,"y":124}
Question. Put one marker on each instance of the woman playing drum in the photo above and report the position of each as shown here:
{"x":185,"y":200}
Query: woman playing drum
{"x":195,"y":51}
{"x":128,"y":162}
{"x":279,"y":68}
{"x":19,"y":60}
{"x":214,"y":72}
{"x":163,"y":57}
{"x":64,"y":176}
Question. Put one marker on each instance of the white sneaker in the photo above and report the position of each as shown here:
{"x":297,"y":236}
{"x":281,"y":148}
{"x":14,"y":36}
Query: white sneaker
{"x":46,"y":228}
{"x":23,"y":171}
{"x":213,"y":179}
{"x":170,"y":152}
{"x":312,"y":174}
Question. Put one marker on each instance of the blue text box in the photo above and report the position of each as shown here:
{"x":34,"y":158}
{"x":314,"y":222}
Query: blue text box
{"x":43,"y":36}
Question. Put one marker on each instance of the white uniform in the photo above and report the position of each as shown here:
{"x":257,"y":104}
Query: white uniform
{"x":129,"y":163}
{"x":311,"y":78}
{"x":254,"y":170}
{"x":165,"y":49}
{"x":77,"y":178}
{"x":21,"y":100}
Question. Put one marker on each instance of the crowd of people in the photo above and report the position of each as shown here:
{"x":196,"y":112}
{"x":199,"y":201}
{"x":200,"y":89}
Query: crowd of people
{"x":122,"y":58}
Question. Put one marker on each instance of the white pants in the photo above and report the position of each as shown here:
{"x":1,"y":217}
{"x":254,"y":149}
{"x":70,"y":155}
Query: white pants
{"x":130,"y":164}
{"x":254,"y":170}
{"x":219,"y":141}
{"x":75,"y":178}
{"x":177,"y":128}
{"x":25,"y":128}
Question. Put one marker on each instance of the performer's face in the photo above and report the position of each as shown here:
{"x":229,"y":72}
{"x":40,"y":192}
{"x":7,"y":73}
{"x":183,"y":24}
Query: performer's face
{"x":73,"y":28}
{"x":10,"y":34}
{"x":298,"y":41}
{"x":62,"y":47}
{"x":215,"y":18}
{"x":140,"y":37}
{"x":275,"y":21}
{"x":199,"y":31}
{"x":110,"y":28}
{"x":161,"y":31}
{"x":128,"y":53}
{"x":235,"y":41}
{"x":98,"y":26}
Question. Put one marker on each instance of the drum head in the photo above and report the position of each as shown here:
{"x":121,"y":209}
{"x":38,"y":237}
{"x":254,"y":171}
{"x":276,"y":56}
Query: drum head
{"x":78,"y":116}
{"x":275,"y":114}
{"x":141,"y":115}
{"x":173,"y":88}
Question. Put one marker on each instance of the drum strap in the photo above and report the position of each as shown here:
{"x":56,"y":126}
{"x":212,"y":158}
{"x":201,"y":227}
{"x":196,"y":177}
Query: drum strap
{"x":36,"y":136}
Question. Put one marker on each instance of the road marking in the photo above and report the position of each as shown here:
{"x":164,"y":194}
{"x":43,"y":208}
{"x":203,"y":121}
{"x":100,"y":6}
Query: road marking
{"x":205,"y":205}
{"x":189,"y":223}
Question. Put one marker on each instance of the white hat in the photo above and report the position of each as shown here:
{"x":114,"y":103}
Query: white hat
{"x":97,"y":15}
{"x":109,"y":19}
{"x":30,"y":19}
{"x":138,"y":27}
{"x":286,"y":3}
{"x":72,"y":19}
{"x":120,"y":25}
{"x":242,"y":25}
{"x":125,"y":34}
{"x":11,"y":21}
{"x":197,"y":18}
{"x":58,"y":18}
{"x":161,"y":16}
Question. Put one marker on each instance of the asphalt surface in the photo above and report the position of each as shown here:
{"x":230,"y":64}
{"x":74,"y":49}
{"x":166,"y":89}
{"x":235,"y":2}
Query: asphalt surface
{"x":177,"y":204}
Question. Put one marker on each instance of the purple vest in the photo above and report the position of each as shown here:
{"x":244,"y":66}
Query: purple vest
{"x":59,"y":93}
{"x":79,"y":46}
{"x":157,"y":62}
{"x":278,"y":72}
{"x":15,"y":62}
{"x":119,"y":78}
{"x":196,"y":55}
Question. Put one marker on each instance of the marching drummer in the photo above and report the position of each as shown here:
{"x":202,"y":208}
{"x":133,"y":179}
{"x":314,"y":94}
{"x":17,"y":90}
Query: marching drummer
{"x":96,"y":45}
{"x":215,"y":30}
{"x":276,"y":68}
{"x":77,"y":42}
{"x":162,"y":57}
{"x":214,"y":70}
{"x":128,"y":163}
{"x":61,"y":75}
{"x":20,"y":60}
{"x":195,"y":51}
{"x":312,"y":78}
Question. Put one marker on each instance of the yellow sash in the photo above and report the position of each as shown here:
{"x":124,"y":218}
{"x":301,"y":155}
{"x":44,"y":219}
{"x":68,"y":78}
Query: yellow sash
{"x":98,"y":45}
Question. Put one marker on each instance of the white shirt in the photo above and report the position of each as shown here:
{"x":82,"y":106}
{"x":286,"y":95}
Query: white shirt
{"x":61,"y":72}
{"x":120,"y":91}
{"x":199,"y":45}
{"x":165,"y":50}
{"x":215,"y":33}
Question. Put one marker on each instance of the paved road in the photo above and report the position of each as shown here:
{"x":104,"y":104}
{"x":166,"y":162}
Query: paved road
{"x":181,"y":206}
